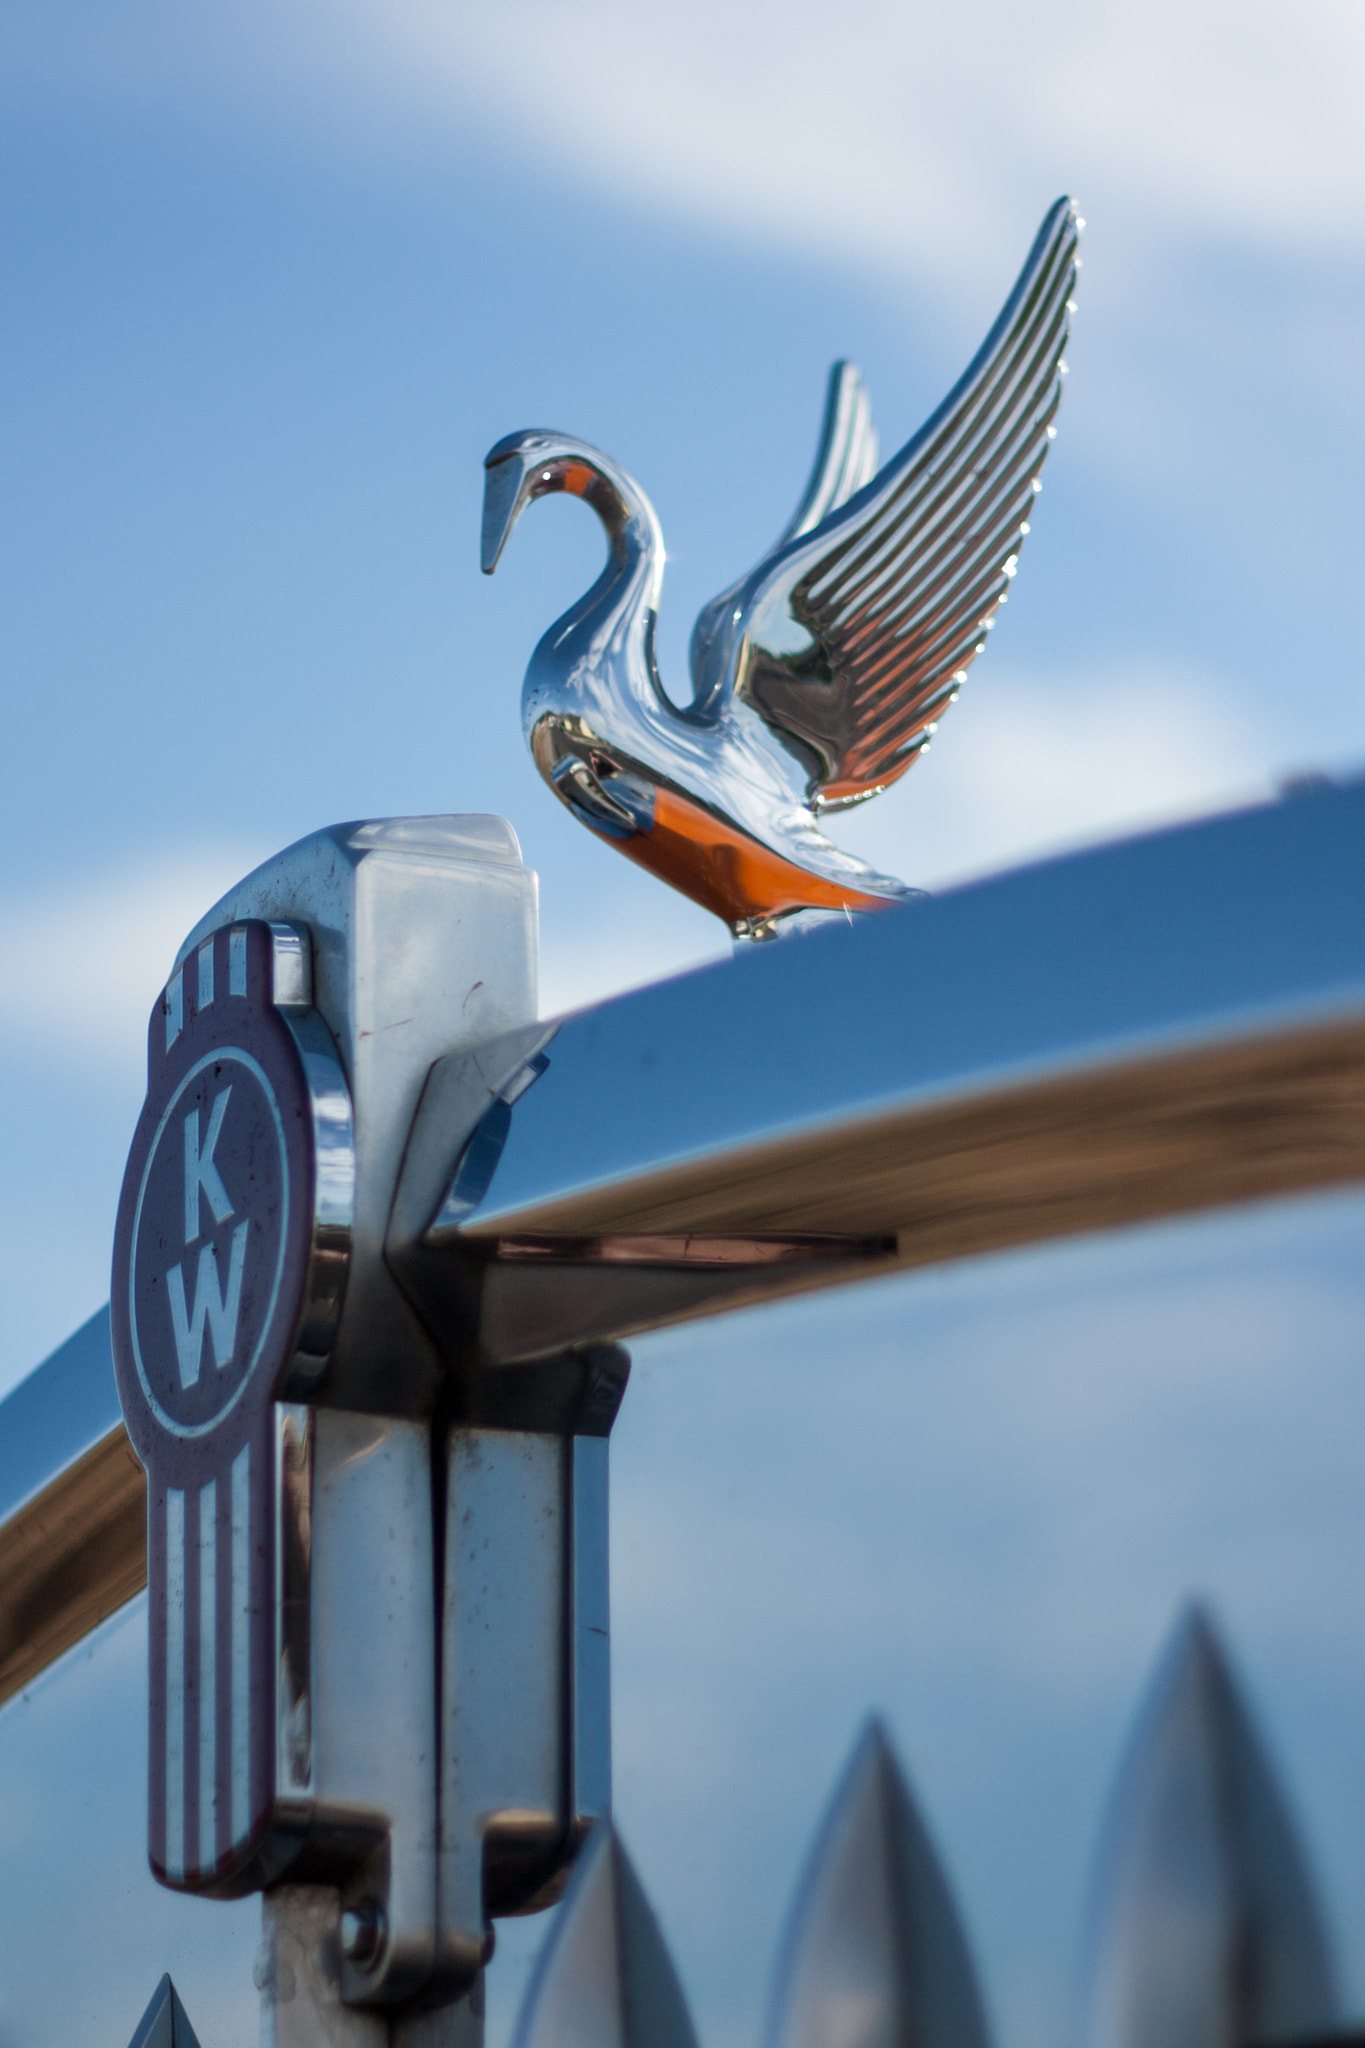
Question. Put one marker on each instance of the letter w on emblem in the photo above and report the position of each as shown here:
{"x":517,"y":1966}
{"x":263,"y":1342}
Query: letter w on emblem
{"x":215,"y":1306}
{"x":218,"y":1310}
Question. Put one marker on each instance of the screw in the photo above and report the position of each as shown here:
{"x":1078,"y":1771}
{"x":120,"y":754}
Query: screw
{"x":362,"y":1933}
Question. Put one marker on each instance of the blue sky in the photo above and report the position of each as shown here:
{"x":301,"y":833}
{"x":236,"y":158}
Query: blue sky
{"x":275,"y":278}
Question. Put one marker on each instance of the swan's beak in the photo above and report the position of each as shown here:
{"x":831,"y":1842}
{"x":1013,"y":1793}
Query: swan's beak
{"x":505,"y":493}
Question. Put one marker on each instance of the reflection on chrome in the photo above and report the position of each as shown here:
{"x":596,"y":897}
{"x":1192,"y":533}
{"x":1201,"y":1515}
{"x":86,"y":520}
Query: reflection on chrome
{"x":1209,"y":1933}
{"x":1206,"y":1928}
{"x":818,"y":677}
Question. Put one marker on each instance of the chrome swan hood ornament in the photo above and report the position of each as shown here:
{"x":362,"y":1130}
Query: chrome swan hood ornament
{"x":819,"y":676}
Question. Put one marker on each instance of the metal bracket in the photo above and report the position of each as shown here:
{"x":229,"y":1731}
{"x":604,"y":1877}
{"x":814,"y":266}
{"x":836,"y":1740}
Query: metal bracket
{"x":434,"y":1513}
{"x":526,"y":1706}
{"x":423,"y":944}
{"x":503,"y":1299}
{"x":406,"y":939}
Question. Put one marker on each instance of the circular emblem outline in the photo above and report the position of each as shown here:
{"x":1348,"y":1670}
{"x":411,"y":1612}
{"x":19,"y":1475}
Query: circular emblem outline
{"x":268,"y":963}
{"x":222,"y":1564}
{"x":215,"y":1421}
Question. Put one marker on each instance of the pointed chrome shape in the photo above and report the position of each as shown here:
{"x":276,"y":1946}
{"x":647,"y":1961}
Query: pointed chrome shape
{"x":874,"y":1955}
{"x":605,"y":1978}
{"x":1206,"y":1931}
{"x":164,"y":2024}
{"x":818,"y":677}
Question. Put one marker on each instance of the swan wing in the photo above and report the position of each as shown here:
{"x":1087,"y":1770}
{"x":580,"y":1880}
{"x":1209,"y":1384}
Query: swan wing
{"x":855,"y":635}
{"x":846,"y":457}
{"x":845,"y":460}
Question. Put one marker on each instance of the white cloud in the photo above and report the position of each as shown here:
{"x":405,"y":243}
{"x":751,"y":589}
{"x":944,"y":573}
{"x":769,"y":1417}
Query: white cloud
{"x":904,"y":133}
{"x":1026,"y":764}
{"x":85,"y":963}
{"x":921,"y":138}
{"x":589,"y":959}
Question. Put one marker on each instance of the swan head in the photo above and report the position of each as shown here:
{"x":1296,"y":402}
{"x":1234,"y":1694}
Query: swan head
{"x":539,"y":461}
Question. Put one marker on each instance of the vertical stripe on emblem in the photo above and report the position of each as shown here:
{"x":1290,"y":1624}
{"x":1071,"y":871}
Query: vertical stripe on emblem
{"x":237,"y":962}
{"x":241,"y":1643}
{"x":208,"y":1676}
{"x":205,"y":975}
{"x":175,"y":1683}
{"x":175,"y":1007}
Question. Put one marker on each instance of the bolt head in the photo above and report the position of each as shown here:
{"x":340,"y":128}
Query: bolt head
{"x":362,"y":1932}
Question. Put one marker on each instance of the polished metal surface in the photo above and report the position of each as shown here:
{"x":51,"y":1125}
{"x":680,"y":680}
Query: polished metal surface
{"x":818,"y":677}
{"x":605,"y":1978}
{"x":298,"y":1973}
{"x":394,"y":940}
{"x":73,"y":1540}
{"x":295,"y":1477}
{"x":1216,"y":973}
{"x":503,"y":1730}
{"x":589,"y":1633}
{"x":353,"y":1708}
{"x":66,"y":1407}
{"x":874,"y":1954}
{"x":1132,"y":1031}
{"x":423,"y":941}
{"x":525,"y":1643}
{"x":299,"y":1969}
{"x":1207,"y":1929}
{"x":374,"y":1692}
{"x":334,"y":1159}
{"x":528,"y":1733}
{"x":1140,"y":1030}
{"x":165,"y":2024}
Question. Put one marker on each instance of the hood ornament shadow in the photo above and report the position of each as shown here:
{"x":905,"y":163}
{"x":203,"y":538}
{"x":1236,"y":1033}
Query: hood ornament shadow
{"x":818,"y":677}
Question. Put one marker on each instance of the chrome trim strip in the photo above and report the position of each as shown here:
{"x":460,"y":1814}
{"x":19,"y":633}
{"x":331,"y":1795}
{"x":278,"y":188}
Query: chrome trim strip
{"x":1139,"y":1030}
{"x":63,"y":1409}
{"x":175,"y":1691}
{"x":1147,"y":1028}
{"x":702,"y":1105}
{"x":208,"y":1675}
{"x":69,"y":1558}
{"x":73,"y":1517}
{"x":241,"y":1642}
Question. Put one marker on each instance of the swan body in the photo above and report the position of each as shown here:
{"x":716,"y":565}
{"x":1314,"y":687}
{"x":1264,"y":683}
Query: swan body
{"x":818,"y":678}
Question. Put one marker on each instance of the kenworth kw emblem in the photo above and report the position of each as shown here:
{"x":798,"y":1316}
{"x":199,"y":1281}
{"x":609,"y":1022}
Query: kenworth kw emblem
{"x":230,"y":1260}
